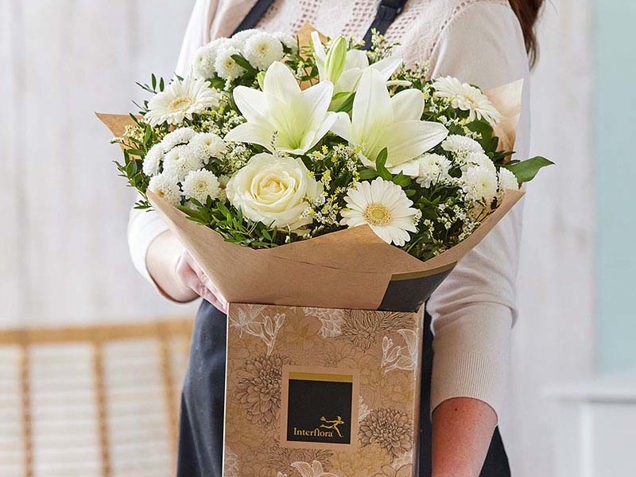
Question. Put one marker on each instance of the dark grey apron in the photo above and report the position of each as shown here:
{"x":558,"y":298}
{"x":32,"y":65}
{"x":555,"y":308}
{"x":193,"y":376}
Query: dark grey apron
{"x":202,"y":401}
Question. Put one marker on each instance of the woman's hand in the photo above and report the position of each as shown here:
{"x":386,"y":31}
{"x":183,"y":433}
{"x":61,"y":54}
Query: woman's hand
{"x":194,"y":278}
{"x":176,"y":273}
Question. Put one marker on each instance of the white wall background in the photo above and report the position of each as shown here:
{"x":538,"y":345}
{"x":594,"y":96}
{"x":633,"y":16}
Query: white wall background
{"x":554,"y":336}
{"x":63,"y":253}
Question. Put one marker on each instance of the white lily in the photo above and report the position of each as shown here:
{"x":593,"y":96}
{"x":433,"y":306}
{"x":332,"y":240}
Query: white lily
{"x":380,"y":121}
{"x":343,"y":67}
{"x":283,"y":117}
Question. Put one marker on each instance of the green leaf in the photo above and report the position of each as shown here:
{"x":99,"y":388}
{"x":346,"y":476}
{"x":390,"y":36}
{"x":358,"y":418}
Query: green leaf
{"x":241,"y":61}
{"x":380,"y":165}
{"x":367,"y":174}
{"x":402,"y":180}
{"x":526,"y":170}
{"x":347,"y":104}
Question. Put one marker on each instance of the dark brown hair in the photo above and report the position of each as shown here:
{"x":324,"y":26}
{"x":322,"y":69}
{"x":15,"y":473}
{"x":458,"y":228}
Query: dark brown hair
{"x":527,"y":12}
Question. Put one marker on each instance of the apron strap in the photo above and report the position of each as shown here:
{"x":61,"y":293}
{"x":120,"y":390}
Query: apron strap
{"x":388,"y":10}
{"x":254,"y":15}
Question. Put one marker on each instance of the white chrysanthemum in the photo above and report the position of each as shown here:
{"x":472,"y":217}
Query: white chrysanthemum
{"x":180,"y":161}
{"x":262,"y":49}
{"x":152,"y":161}
{"x":461,"y":146}
{"x":165,"y":187}
{"x":200,"y":185}
{"x":480,"y":184}
{"x":477,"y":159}
{"x":180,"y":100}
{"x":507,"y":180}
{"x":433,"y":168}
{"x":226,"y":67}
{"x":287,"y":40}
{"x":177,"y":137}
{"x":204,"y":59}
{"x":382,"y":205}
{"x":467,"y":98}
{"x":207,"y":145}
{"x":239,"y":39}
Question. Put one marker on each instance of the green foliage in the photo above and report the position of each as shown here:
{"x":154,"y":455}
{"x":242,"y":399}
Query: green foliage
{"x":526,"y":170}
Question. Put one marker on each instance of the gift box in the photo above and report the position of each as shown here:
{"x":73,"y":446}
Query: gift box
{"x":321,"y":392}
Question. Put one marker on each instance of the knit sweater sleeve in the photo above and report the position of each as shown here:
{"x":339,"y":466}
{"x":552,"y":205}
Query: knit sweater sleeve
{"x":475,"y":307}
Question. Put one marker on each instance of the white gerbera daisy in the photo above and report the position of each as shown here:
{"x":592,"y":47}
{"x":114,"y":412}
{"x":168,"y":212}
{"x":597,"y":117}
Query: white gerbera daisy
{"x":226,"y":67}
{"x":165,"y":187}
{"x":207,"y":145}
{"x":181,"y":160}
{"x":152,"y":160}
{"x":262,"y":49}
{"x":180,"y":100}
{"x":433,"y":168}
{"x":480,"y":184}
{"x":384,"y":206}
{"x":467,"y":98}
{"x":177,"y":137}
{"x":507,"y":180}
{"x":461,"y":146}
{"x":200,"y":185}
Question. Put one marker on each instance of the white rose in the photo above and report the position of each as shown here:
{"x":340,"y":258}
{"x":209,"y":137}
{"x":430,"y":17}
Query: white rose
{"x":274,"y":191}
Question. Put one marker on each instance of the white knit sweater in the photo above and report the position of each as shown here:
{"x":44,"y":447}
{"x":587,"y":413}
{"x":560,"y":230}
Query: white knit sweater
{"x":479,"y":41}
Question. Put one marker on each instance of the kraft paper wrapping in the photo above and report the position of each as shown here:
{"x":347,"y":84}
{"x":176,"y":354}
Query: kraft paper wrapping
{"x":351,"y":268}
{"x":339,"y":387}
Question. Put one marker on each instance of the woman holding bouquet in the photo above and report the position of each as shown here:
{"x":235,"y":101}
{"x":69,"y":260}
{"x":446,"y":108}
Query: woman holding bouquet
{"x":483,"y":42}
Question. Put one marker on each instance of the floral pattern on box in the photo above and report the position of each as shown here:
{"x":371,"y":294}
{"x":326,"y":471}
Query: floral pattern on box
{"x":381,"y":348}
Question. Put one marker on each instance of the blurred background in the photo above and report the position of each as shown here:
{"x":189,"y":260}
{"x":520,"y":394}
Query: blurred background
{"x":91,"y":358}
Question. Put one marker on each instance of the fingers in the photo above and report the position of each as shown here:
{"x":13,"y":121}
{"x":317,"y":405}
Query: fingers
{"x":196,"y":279}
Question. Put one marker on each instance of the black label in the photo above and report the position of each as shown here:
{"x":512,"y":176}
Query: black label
{"x":319,"y":408}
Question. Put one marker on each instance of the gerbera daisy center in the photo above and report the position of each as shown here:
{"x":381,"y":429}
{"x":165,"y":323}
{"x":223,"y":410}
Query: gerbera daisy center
{"x":377,"y":214}
{"x":181,"y":103}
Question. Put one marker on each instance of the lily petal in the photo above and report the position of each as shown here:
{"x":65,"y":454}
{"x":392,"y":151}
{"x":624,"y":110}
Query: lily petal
{"x":408,"y":104}
{"x":342,"y":126}
{"x":252,"y":103}
{"x":279,"y":81}
{"x":252,"y":133}
{"x":410,"y":139}
{"x":387,"y":66}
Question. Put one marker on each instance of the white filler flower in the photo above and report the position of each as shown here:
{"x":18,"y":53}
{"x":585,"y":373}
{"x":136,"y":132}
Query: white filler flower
{"x":262,"y":49}
{"x":152,"y":161}
{"x":467,"y":98}
{"x":180,"y":100}
{"x":165,"y":187}
{"x":274,"y":191}
{"x":283,"y":117}
{"x":200,"y":185}
{"x":380,"y":121}
{"x":384,"y":206}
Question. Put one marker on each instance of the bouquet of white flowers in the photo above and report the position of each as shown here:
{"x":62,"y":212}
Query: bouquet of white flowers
{"x":271,"y":140}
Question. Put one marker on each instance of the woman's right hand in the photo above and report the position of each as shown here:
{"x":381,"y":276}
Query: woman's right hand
{"x":177,"y":274}
{"x":194,"y":278}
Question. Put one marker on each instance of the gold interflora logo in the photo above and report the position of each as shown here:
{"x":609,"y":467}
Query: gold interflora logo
{"x":330,"y":427}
